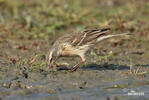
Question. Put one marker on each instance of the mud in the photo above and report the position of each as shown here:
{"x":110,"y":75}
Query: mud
{"x":107,"y":74}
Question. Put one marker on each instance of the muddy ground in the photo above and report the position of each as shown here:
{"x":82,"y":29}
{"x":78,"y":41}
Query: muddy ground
{"x":106,"y":74}
{"x":117,"y":69}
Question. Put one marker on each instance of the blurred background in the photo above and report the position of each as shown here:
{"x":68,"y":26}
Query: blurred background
{"x":41,"y":19}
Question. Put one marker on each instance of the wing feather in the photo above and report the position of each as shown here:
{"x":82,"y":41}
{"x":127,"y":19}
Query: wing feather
{"x":85,"y":37}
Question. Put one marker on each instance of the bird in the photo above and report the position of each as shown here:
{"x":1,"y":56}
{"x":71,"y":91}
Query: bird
{"x":78,"y":44}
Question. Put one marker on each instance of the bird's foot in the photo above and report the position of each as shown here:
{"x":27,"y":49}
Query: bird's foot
{"x":72,"y":69}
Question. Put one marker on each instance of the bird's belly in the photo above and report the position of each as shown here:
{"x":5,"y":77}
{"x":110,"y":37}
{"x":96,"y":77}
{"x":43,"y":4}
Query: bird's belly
{"x":68,"y":53}
{"x":74,"y":52}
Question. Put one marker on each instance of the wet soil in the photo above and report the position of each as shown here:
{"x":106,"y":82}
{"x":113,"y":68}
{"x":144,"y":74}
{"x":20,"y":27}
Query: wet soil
{"x":106,"y":75}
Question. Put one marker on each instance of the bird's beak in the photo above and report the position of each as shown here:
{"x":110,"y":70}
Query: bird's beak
{"x":50,"y":64}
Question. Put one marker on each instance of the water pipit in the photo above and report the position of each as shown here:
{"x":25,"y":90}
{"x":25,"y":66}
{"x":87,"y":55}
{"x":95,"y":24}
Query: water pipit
{"x":77,"y":44}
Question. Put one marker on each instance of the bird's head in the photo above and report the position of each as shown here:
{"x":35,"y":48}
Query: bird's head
{"x":51,"y":57}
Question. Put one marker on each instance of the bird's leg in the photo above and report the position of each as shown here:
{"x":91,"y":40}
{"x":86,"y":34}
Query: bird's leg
{"x":76,"y":66}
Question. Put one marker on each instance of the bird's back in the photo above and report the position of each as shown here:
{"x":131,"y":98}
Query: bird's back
{"x":87,"y":37}
{"x":79,"y":43}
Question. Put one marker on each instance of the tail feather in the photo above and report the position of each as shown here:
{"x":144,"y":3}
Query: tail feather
{"x":110,"y":36}
{"x":92,"y":37}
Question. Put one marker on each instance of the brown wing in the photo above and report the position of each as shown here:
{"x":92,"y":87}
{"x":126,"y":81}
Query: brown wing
{"x":86,"y":37}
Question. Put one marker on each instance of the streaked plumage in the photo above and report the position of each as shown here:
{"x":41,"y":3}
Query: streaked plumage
{"x":77,"y":44}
